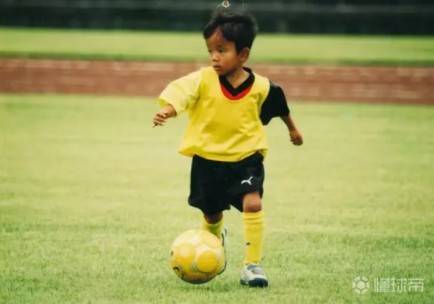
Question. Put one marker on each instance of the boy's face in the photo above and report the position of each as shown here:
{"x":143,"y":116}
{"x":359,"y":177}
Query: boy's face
{"x":223,"y":54}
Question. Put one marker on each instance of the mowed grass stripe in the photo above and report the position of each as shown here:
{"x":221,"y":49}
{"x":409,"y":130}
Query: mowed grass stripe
{"x":91,"y":197}
{"x":272,"y":48}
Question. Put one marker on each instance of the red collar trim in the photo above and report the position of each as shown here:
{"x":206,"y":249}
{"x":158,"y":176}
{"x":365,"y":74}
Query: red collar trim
{"x":240,"y":95}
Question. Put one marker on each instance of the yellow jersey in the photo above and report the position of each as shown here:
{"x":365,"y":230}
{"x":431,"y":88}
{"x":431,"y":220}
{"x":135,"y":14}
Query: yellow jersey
{"x":219,"y":128}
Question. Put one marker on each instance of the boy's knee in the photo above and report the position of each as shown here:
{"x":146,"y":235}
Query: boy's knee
{"x":213,"y":218}
{"x":252,"y":202}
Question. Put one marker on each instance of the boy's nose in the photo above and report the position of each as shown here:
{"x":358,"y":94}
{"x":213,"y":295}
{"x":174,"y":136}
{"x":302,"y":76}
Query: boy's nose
{"x":215,"y":57}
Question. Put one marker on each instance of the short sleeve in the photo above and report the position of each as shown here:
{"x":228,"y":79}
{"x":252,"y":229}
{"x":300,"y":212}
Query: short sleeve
{"x":274,"y":105}
{"x":182,"y":93}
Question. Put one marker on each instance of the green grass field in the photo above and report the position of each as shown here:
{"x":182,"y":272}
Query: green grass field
{"x":292,"y":49}
{"x":91,"y":197}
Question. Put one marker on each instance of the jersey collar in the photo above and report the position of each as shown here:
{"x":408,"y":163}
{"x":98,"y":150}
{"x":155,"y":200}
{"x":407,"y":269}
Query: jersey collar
{"x":239,"y":92}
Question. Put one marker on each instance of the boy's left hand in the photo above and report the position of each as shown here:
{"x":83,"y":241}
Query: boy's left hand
{"x":296,"y":137}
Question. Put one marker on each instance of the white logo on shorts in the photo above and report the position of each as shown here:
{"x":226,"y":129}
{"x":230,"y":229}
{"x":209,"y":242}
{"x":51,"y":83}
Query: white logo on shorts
{"x":247,"y":181}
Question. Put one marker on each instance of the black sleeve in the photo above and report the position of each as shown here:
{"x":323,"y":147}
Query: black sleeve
{"x":275,"y":104}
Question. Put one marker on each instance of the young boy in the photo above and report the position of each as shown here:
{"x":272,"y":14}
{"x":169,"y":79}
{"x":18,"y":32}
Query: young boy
{"x":228,"y":106}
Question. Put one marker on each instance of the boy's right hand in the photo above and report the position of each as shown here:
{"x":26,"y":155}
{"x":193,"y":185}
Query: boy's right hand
{"x":162,"y":115}
{"x":160,"y":118}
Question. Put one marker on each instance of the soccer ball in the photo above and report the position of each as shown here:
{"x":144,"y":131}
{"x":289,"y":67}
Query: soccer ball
{"x":197,"y":256}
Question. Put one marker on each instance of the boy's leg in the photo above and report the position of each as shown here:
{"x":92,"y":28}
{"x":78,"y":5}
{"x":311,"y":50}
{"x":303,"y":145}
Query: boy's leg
{"x":253,"y":220}
{"x":213,"y":223}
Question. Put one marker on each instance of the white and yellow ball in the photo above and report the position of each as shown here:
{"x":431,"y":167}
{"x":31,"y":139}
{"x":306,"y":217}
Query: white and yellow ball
{"x":197,"y":256}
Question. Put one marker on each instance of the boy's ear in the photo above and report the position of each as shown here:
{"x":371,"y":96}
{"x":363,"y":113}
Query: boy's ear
{"x":244,"y":54}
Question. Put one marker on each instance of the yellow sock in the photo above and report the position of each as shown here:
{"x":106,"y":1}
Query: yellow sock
{"x":253,"y":235}
{"x":215,"y":229}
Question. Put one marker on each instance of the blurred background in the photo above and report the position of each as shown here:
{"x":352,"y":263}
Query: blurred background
{"x":296,"y":16}
{"x":339,"y":50}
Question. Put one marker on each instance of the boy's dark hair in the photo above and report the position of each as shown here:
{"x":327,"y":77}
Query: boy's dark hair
{"x":239,"y":27}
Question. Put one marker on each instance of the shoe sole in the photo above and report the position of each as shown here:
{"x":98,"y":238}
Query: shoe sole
{"x":255,"y":283}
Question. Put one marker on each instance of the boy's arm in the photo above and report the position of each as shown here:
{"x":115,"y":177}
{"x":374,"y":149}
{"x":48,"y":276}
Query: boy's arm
{"x":294,"y":134}
{"x":165,"y":113}
{"x":178,"y":97}
{"x":275,"y":105}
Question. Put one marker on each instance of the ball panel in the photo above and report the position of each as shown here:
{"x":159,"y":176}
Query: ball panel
{"x":185,"y":255}
{"x":188,"y":236}
{"x":211,"y":240}
{"x":206,"y":261}
{"x":197,"y":277}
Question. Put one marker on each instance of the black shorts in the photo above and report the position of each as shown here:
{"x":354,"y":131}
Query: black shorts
{"x":216,"y":185}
